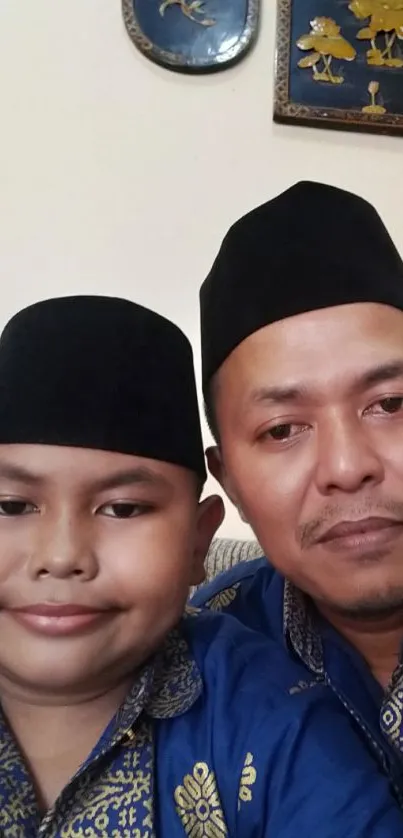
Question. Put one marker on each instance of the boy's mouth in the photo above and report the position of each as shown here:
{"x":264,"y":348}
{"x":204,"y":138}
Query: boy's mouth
{"x":58,"y":619}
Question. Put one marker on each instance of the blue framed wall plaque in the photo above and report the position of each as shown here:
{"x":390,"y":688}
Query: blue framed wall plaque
{"x":339,"y":64}
{"x":192,"y":36}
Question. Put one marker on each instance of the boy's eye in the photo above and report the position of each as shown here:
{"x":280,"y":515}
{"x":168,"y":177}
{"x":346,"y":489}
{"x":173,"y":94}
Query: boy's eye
{"x":123,"y":509}
{"x":280,"y":432}
{"x":16,"y":508}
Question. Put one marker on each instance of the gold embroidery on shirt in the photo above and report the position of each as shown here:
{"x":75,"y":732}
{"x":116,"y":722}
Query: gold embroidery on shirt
{"x":392,"y":710}
{"x":223,"y":599}
{"x":192,"y":611}
{"x":177,"y":682}
{"x":248,"y":779}
{"x":17,"y":797}
{"x":198,"y":804}
{"x":127,"y":793}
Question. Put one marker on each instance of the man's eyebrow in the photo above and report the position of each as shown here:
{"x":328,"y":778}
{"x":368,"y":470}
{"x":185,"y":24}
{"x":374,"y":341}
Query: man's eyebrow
{"x":141,"y":475}
{"x":381,"y":373}
{"x":369,"y":378}
{"x":277,"y":394}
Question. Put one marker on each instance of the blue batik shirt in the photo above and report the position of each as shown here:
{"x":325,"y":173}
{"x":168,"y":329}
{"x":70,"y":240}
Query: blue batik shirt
{"x":262,"y":599}
{"x":208,"y":745}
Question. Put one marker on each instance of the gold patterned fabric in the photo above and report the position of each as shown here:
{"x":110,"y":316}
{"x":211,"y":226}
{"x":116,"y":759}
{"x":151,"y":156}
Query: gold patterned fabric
{"x":392,"y":711}
{"x":198,"y":804}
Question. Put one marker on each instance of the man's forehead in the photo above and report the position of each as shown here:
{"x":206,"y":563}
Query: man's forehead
{"x":361,"y":343}
{"x":358,"y":321}
{"x":359,"y":379}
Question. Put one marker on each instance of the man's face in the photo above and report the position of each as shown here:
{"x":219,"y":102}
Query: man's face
{"x":118,"y":538}
{"x":310,"y":414}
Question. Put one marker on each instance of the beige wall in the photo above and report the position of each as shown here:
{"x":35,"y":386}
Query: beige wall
{"x":120,"y":177}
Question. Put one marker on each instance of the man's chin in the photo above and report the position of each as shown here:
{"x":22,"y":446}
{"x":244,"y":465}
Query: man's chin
{"x":370,"y":607}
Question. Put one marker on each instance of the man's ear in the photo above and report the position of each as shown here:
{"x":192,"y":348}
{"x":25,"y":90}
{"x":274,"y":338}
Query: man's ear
{"x":217,"y":469}
{"x":215,"y":464}
{"x":211,"y":514}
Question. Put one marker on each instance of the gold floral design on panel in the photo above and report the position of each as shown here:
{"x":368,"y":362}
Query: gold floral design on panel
{"x":385,"y":24}
{"x":221,"y":601}
{"x":198,"y":804}
{"x":248,"y":779}
{"x":325,"y":42}
{"x":374,"y":107}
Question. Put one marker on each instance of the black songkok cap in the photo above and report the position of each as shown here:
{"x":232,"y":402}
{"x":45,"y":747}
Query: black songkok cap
{"x":312,"y":247}
{"x":103,"y":373}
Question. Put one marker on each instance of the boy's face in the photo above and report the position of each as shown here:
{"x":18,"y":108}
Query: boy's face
{"x":112,"y":543}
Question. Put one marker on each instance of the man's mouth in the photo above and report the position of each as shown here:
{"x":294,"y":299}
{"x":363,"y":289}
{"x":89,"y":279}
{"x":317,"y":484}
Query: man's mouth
{"x":366,"y":533}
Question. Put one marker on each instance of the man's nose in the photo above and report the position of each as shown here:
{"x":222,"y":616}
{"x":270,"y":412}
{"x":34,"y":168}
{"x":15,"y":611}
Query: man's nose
{"x":346,"y":457}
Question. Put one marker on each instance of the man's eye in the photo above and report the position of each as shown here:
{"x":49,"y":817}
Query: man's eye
{"x":123,"y":510}
{"x":392,"y":404}
{"x":16,"y":508}
{"x":283,"y":432}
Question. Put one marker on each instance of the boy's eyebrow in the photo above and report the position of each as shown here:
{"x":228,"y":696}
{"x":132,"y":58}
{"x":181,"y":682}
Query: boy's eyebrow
{"x":10,"y":471}
{"x":140,"y":475}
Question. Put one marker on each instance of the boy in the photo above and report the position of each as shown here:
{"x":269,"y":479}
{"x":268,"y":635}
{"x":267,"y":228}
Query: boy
{"x":120,"y":717}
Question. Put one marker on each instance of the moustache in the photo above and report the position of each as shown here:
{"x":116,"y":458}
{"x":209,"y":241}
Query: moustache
{"x":310,"y":532}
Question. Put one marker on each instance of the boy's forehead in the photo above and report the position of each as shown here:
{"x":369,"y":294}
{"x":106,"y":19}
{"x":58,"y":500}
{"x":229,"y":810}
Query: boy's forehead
{"x":105,"y":469}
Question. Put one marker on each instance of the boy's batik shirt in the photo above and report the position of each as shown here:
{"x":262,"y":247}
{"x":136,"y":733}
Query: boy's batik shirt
{"x":208,"y":745}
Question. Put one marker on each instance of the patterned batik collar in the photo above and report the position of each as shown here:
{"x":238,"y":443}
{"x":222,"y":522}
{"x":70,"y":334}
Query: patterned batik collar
{"x":299,"y":629}
{"x":302,"y":636}
{"x":167,"y":687}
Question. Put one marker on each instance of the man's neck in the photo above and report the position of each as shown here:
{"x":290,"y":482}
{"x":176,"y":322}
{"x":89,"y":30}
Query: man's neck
{"x":378,"y":641}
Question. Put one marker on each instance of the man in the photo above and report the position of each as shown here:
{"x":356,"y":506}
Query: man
{"x":302,"y":346}
{"x":119,"y":716}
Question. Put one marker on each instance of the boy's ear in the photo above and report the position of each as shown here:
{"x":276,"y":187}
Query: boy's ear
{"x":211,"y":514}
